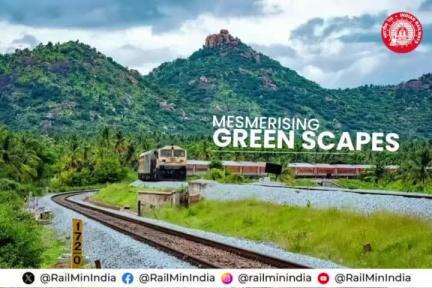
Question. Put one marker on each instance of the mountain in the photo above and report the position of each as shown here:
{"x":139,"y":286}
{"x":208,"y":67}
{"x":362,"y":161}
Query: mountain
{"x":58,"y":88}
{"x":228,"y":77}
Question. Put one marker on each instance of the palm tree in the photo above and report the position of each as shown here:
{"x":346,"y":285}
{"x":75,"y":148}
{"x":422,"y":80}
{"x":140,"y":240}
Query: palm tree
{"x":130,"y":153}
{"x":106,"y":134}
{"x":20,"y":161}
{"x":379,"y":168}
{"x":74,"y":161}
{"x":119,"y":142}
{"x":419,"y":166}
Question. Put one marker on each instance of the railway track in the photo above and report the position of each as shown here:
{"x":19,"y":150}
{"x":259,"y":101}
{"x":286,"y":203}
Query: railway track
{"x":199,"y":251}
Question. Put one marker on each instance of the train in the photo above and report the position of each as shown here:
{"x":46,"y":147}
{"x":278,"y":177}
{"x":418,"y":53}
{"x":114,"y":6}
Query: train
{"x":171,"y":163}
{"x":166,"y":163}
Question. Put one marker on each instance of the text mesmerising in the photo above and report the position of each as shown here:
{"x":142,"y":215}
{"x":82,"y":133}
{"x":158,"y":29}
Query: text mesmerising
{"x":281,"y":133}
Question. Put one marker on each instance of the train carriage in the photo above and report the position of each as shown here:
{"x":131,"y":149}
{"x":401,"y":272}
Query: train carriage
{"x":301,"y":170}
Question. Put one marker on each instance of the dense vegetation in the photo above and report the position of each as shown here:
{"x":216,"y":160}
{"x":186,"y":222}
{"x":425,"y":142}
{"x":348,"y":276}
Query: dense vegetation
{"x":25,"y":167}
{"x":104,"y":159}
{"x":21,"y":242}
{"x":30,"y":165}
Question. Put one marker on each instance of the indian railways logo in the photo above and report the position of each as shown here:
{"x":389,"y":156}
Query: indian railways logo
{"x":401,"y":32}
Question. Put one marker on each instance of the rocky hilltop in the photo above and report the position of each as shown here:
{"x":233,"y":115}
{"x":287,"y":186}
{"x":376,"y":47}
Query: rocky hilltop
{"x":422,"y":83}
{"x":220,"y":39}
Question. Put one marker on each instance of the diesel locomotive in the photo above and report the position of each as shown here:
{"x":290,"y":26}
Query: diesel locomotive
{"x":166,"y":163}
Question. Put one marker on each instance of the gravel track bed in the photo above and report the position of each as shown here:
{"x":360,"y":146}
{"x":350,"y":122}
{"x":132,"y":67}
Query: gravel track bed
{"x":363,"y":203}
{"x":114,"y":249}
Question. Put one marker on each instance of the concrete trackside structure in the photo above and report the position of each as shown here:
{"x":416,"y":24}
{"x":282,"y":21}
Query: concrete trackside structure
{"x":156,"y":199}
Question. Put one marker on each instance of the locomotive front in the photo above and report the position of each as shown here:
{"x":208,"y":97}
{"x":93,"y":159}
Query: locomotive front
{"x":171,"y":163}
{"x":166,"y":163}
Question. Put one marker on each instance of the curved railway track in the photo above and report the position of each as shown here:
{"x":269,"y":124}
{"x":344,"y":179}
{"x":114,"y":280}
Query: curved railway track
{"x":199,"y":251}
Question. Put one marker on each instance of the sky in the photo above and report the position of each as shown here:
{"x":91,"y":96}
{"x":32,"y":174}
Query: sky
{"x":336,"y":43}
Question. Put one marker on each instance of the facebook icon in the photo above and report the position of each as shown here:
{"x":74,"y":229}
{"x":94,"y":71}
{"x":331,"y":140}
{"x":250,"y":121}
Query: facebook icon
{"x":127,"y":278}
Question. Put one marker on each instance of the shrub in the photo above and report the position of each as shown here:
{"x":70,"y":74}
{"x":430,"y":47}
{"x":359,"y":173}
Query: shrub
{"x":105,"y":170}
{"x":215,"y":174}
{"x":224,"y":176}
{"x":70,"y":178}
{"x":215,"y":164}
{"x":287,"y":177}
{"x":234,"y":178}
{"x":109,"y":170}
{"x":20,"y":240}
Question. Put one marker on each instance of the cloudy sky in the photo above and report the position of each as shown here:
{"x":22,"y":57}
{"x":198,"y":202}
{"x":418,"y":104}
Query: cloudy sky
{"x":336,"y":43}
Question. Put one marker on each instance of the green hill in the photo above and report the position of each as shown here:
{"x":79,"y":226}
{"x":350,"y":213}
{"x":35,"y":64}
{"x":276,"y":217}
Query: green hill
{"x":228,"y":77}
{"x":72,"y":87}
{"x":405,"y":108}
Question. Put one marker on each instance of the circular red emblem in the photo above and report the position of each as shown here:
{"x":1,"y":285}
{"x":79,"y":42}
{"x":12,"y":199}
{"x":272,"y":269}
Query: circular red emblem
{"x":401,"y":32}
{"x":323,"y":278}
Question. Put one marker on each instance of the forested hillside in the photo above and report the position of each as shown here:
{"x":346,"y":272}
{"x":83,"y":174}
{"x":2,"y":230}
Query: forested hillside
{"x":71,"y":87}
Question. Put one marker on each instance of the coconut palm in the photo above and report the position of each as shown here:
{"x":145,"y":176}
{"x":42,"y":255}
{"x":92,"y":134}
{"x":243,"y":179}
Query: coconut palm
{"x":419,"y":171}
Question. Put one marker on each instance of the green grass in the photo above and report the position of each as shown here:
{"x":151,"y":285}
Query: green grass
{"x":290,"y":180}
{"x":304,"y":182}
{"x":53,"y":248}
{"x":396,"y":241}
{"x":224,"y":176}
{"x":120,"y":195}
{"x":397,"y":185}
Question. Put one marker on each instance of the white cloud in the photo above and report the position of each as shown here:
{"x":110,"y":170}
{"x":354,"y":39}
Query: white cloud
{"x":331,"y":61}
{"x":314,"y":72}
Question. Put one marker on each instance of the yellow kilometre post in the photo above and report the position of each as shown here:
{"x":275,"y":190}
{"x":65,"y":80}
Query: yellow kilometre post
{"x":77,"y":243}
